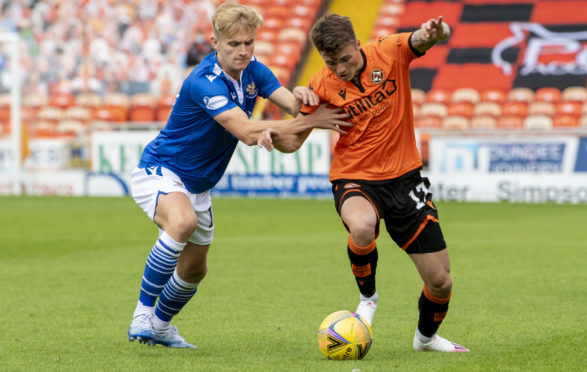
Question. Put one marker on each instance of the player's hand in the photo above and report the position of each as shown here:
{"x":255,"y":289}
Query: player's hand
{"x":266,"y":139}
{"x":434,"y":30}
{"x":330,"y":118}
{"x":306,"y":96}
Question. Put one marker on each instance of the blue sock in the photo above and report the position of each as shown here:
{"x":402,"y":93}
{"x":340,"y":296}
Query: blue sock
{"x":175,"y":295}
{"x":159,"y":268}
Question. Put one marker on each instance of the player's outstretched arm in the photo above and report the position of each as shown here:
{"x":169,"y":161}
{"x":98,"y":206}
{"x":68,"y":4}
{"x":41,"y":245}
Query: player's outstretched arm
{"x":430,"y":33}
{"x":236,"y":122}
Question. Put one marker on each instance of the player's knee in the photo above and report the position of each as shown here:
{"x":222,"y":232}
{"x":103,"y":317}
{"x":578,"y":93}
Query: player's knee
{"x":440,"y":285}
{"x":362,"y":232}
{"x":184,"y":225}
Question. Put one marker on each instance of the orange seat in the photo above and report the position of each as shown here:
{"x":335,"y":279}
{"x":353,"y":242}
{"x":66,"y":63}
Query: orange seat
{"x":428,"y":121}
{"x":547,"y":94}
{"x":510,"y":122}
{"x":439,"y":95}
{"x":569,"y":108}
{"x":80,"y":113}
{"x":62,"y":100}
{"x":110,"y":114}
{"x":142,"y":108}
{"x":493,"y":95}
{"x":565,"y":121}
{"x":90,"y":100}
{"x":164,"y":105}
{"x":462,"y":108}
{"x":50,"y":114}
{"x":514,"y":108}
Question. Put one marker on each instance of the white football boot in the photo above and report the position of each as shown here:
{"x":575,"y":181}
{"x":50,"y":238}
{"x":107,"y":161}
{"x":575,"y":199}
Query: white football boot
{"x":170,"y":337}
{"x":141,"y":328}
{"x":437,"y":343}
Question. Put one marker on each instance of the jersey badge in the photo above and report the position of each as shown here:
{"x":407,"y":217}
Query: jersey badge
{"x":216,"y":102}
{"x":251,"y":90}
{"x":376,"y":76}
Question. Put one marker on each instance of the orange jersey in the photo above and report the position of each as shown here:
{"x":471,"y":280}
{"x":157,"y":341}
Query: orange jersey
{"x":382,"y":143}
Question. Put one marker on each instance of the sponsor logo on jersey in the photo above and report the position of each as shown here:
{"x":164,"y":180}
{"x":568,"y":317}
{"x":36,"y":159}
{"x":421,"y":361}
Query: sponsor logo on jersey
{"x":251,"y":90}
{"x":211,"y":77}
{"x":376,"y":76}
{"x":372,"y":105}
{"x":351,"y":185}
{"x":216,"y":102}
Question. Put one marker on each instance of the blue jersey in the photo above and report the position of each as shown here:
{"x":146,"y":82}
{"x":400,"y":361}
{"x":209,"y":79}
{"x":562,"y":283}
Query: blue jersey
{"x":192,"y":144}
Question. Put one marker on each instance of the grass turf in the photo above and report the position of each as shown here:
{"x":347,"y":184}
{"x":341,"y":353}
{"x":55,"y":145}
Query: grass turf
{"x":70,"y":270}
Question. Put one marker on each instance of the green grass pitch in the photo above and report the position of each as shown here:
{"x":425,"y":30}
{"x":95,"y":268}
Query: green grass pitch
{"x":70,"y":270}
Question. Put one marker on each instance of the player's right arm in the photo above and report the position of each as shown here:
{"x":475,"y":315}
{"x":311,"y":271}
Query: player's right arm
{"x":237,"y":122}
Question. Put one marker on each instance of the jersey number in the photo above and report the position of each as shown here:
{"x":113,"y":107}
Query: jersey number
{"x":421,"y":189}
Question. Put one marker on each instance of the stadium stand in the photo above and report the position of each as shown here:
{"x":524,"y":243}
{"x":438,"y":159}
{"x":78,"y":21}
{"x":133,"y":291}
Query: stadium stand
{"x":506,"y":62}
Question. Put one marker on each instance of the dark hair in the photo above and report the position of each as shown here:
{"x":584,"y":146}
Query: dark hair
{"x":332,"y":32}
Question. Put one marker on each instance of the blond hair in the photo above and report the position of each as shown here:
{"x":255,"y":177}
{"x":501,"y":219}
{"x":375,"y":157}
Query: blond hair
{"x":230,"y":16}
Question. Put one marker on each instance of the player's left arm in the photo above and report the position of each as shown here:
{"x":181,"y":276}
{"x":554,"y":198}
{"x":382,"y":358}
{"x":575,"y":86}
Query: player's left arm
{"x":431,"y":32}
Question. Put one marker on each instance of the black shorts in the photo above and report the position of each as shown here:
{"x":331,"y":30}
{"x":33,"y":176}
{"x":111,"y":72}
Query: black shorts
{"x":404,"y":203}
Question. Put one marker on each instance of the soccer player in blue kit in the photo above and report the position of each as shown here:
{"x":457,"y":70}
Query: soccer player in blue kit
{"x":189,"y":156}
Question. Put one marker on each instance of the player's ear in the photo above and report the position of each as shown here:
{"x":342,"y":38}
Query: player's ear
{"x":358,"y":43}
{"x":214,"y":42}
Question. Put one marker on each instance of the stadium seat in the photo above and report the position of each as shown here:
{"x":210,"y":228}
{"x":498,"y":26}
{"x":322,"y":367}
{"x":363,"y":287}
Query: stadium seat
{"x":79,"y":113}
{"x":487,"y":108}
{"x":298,"y":22}
{"x":116,"y":100}
{"x":418,"y":96}
{"x":565,"y":121}
{"x":292,"y":34}
{"x":515,"y":108}
{"x":142,"y":108}
{"x":439,"y":95}
{"x":577,"y":94}
{"x":569,"y":108}
{"x":466,"y":95}
{"x":520,"y":95}
{"x":90,"y":100}
{"x":42,"y":129}
{"x":462,"y":108}
{"x":391,"y":9}
{"x":537,"y":122}
{"x":110,"y":114}
{"x":164,"y":105}
{"x":455,"y":123}
{"x":547,"y":94}
{"x":434,"y":109}
{"x":428,"y":121}
{"x":62,"y":100}
{"x":267,"y":35}
{"x":493,"y":95}
{"x":483,"y":122}
{"x":510,"y":122}
{"x":264,"y":48}
{"x":50,"y":114}
{"x":541,"y":108}
{"x":70,"y":127}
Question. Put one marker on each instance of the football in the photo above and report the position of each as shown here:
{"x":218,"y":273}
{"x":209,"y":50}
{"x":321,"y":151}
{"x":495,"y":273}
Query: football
{"x":344,"y":335}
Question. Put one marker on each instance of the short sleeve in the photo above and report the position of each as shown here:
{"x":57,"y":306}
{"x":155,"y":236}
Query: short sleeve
{"x":211,"y":94}
{"x":398,"y":46}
